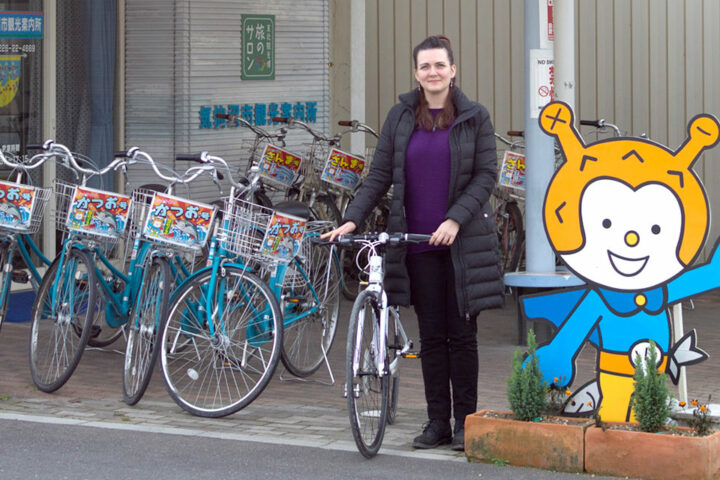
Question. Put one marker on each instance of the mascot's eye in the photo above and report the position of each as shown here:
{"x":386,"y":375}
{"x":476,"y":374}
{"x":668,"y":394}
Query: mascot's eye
{"x":655,"y":229}
{"x":607,"y":223}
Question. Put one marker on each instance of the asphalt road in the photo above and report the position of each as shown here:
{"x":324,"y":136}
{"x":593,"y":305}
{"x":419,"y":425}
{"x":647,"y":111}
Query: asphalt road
{"x":37,"y":450}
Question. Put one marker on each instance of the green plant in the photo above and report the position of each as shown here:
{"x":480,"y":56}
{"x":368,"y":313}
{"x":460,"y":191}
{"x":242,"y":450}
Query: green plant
{"x":651,"y":398}
{"x":526,"y":389}
{"x":558,"y":397}
{"x":701,"y":421}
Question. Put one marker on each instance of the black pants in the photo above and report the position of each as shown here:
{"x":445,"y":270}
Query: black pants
{"x":448,"y":341}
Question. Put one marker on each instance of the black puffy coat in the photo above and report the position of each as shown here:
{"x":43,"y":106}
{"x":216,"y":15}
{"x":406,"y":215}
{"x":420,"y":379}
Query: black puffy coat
{"x":473,"y":172}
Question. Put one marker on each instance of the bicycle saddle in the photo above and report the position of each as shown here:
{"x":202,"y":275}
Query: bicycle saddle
{"x":296,"y":209}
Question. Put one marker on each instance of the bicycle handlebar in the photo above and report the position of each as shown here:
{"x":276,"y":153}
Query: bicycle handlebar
{"x":377,"y":238}
{"x":356,"y":126}
{"x":601,"y":124}
{"x":291,"y":123}
{"x":280,"y":136}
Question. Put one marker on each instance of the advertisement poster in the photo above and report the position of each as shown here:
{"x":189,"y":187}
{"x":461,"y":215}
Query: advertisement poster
{"x":16,"y":205}
{"x":512,"y":172}
{"x":279,"y":166}
{"x":98,"y":213}
{"x":343,"y":169}
{"x":542,"y":79}
{"x":283,"y":237}
{"x":178,"y":222}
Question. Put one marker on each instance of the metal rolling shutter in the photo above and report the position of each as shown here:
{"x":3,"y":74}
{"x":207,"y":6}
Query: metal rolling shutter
{"x":183,"y":55}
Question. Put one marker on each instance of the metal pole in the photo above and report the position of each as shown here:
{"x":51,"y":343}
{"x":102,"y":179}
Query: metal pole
{"x":564,"y":23}
{"x":540,"y":158}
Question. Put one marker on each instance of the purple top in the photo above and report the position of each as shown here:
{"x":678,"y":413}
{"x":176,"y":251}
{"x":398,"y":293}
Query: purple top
{"x":427,"y":182}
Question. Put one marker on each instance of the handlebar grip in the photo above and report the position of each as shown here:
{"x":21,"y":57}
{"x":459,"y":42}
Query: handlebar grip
{"x":34,"y":146}
{"x":417,"y":237}
{"x":220,"y":176}
{"x":591,"y":123}
{"x":345,"y":123}
{"x":516,"y":133}
{"x":121,"y":154}
{"x":280,"y":119}
{"x":190,"y":157}
{"x":224,"y":116}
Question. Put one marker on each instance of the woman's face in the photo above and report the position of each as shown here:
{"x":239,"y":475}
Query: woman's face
{"x":434,"y":71}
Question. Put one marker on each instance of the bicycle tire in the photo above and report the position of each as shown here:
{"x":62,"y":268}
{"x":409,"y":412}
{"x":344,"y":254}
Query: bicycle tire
{"x":5,"y":281}
{"x":324,"y":208}
{"x":393,"y":352}
{"x":511,"y":235}
{"x":148,"y":313}
{"x":218,"y":375}
{"x":102,"y":334}
{"x":307,"y":340}
{"x":58,"y":336}
{"x":367,"y":392}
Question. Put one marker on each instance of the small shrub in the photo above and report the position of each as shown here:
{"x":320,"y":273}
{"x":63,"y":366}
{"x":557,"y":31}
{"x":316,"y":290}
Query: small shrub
{"x":526,"y":389}
{"x":558,"y":397}
{"x":651,"y":399}
{"x":701,"y":421}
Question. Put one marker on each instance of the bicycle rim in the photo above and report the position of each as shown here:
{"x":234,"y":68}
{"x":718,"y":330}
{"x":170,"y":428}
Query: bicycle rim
{"x":5,"y":278}
{"x":216,"y":374}
{"x":148,"y":313}
{"x":60,"y":330}
{"x":308,"y":339}
{"x":367,"y":390}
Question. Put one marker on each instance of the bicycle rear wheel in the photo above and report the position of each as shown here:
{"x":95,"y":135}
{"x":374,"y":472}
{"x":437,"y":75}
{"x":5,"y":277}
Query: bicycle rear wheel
{"x":149,"y":312}
{"x":216,"y":373}
{"x":5,"y":280}
{"x":60,"y":330}
{"x":306,"y":340}
{"x":367,"y":389}
{"x":510,"y":235}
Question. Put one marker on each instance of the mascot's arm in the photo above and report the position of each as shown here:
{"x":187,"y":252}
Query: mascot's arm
{"x":696,"y":280}
{"x":556,"y":359}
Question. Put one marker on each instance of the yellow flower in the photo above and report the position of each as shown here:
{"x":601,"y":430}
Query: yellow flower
{"x":694,"y":402}
{"x":682,"y":404}
{"x":589,"y":403}
{"x":555,"y":379}
{"x":703,"y":408}
{"x":568,"y":392}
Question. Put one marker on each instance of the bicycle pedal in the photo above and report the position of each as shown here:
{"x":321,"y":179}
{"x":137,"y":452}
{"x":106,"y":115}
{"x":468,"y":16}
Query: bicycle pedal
{"x":411,"y":355}
{"x":20,"y":276}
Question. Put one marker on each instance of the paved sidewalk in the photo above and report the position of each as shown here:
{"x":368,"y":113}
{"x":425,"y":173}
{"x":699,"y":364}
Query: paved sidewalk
{"x":293,"y":412}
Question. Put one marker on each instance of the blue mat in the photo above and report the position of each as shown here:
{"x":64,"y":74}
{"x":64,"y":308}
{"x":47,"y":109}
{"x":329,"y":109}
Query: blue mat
{"x":20,"y":306}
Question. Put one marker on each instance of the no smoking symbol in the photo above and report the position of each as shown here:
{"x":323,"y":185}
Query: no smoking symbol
{"x":543,"y":91}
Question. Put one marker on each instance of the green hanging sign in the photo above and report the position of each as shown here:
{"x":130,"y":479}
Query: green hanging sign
{"x":258,"y":47}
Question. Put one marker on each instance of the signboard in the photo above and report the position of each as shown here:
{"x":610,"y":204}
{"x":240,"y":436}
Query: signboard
{"x":547,"y":26}
{"x":16,"y":205}
{"x":178,"y":222}
{"x":258,"y":47}
{"x":343,"y":169}
{"x":512,"y":171}
{"x":542,"y":80}
{"x":21,"y":24}
{"x":98,"y":213}
{"x":279,"y":166}
{"x":283,"y":237}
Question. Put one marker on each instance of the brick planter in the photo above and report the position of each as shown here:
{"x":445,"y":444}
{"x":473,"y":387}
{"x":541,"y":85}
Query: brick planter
{"x":551,"y":446}
{"x":653,"y":456}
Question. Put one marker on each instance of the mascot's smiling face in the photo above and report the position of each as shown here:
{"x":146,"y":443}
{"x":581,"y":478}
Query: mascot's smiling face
{"x":632,"y":235}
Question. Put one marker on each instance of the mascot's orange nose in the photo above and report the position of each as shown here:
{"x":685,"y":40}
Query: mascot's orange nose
{"x":632,"y":238}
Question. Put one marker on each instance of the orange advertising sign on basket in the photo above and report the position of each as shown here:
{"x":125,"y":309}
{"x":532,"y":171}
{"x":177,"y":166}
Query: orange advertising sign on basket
{"x":343,"y":169}
{"x":16,"y":205}
{"x":512,"y":171}
{"x":283,"y":237}
{"x":178,"y":222}
{"x":279,"y":166}
{"x":96,"y":212}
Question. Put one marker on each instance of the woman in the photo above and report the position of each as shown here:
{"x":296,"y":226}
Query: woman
{"x":437,"y":151}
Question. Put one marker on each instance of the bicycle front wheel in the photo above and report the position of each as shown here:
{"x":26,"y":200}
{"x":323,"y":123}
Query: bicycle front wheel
{"x":367,"y":386}
{"x":511,"y":235}
{"x":5,"y":280}
{"x":307,"y":337}
{"x":148,"y":314}
{"x":217,"y":362}
{"x":61,"y":328}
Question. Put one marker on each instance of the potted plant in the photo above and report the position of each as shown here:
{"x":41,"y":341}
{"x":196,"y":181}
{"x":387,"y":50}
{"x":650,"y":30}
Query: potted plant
{"x":526,"y":436}
{"x":650,"y":449}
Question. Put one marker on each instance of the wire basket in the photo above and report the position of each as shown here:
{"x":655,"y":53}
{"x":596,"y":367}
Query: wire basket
{"x":293,"y":277}
{"x":242,"y":228}
{"x":314,"y":163}
{"x":12,"y":216}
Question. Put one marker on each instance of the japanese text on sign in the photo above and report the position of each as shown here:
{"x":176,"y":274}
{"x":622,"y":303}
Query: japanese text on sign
{"x":16,"y":205}
{"x":343,"y":169}
{"x":279,"y":166}
{"x":512,"y":172}
{"x":98,"y":213}
{"x":257,"y":113}
{"x":178,"y":222}
{"x":283,"y":237}
{"x":21,"y":24}
{"x":258,"y":47}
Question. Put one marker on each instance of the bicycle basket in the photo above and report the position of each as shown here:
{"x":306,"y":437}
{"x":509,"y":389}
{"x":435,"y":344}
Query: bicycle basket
{"x":22,"y":207}
{"x":242,"y":228}
{"x":314,"y":228}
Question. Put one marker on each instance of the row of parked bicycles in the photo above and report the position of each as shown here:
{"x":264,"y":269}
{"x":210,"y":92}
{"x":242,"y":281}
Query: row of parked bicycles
{"x":219,"y":293}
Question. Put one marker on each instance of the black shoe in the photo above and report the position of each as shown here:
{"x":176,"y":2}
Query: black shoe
{"x":435,"y":432}
{"x":458,"y":441}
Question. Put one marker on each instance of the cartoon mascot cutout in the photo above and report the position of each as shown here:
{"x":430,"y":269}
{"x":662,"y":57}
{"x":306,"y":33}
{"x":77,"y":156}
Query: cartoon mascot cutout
{"x":628,"y":216}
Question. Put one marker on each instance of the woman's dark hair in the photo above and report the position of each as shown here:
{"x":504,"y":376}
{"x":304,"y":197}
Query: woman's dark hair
{"x":423,"y":116}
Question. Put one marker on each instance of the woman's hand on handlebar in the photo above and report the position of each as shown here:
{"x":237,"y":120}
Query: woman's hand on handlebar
{"x":347,"y":227}
{"x":445,"y":233}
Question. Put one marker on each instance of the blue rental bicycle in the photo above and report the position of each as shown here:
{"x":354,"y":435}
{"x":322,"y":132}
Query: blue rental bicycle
{"x":225,"y":331}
